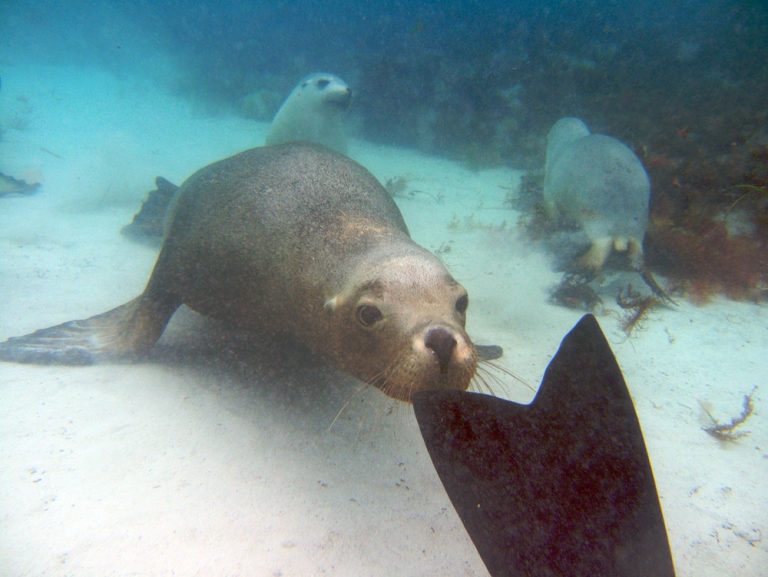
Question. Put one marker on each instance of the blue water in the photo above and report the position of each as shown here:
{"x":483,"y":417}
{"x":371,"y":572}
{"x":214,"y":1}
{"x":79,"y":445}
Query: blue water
{"x":470,"y":66}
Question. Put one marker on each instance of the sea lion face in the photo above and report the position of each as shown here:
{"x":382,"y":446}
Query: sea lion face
{"x":328,"y":89}
{"x":401,"y":328}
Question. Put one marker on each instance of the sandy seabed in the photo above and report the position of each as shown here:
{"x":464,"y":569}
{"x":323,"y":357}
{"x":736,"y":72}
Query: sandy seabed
{"x":221,"y":456}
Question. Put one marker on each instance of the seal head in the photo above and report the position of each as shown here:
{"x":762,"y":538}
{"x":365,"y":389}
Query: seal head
{"x":314,"y":112}
{"x":403,"y":316}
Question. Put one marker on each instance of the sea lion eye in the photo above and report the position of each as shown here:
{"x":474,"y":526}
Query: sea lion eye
{"x":462,"y":303}
{"x":322,"y":83}
{"x":368,"y":315}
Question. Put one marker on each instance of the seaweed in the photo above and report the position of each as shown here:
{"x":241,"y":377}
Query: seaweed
{"x":574,"y":292}
{"x":726,"y":431}
{"x":471,"y":223}
{"x":637,"y":307}
{"x":706,"y":260}
{"x":709,"y":225}
{"x":444,"y":248}
{"x":747,"y":189}
{"x":528,"y":194}
{"x":398,"y":186}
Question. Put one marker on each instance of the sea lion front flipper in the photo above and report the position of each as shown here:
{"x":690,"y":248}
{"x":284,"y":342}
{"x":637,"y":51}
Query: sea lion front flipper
{"x":489,"y":352}
{"x":118,"y":334}
{"x":562,"y":486}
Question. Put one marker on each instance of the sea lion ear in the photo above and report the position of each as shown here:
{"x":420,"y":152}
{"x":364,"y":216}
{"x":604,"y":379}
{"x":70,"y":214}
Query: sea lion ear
{"x":331,"y":304}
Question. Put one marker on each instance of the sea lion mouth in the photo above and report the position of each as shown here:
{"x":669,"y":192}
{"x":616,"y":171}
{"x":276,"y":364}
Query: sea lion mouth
{"x":410,"y":377}
{"x":341,"y":100}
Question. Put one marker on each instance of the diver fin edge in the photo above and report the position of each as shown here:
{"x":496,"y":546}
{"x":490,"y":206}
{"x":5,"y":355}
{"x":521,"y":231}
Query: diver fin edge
{"x":560,"y":487}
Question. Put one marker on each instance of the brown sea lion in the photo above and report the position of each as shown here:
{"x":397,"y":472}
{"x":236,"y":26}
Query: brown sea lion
{"x":291,"y":239}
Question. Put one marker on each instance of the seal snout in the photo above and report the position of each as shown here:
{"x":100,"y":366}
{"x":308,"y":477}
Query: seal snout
{"x":442,"y":342}
{"x":343,"y":99}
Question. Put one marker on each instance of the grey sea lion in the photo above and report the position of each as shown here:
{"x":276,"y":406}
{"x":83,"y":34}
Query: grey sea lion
{"x":313,"y":112}
{"x":598,"y":183}
{"x":292,"y":239}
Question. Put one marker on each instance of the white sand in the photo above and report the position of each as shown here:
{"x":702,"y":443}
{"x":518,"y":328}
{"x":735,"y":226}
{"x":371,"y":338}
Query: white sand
{"x":205,"y":461}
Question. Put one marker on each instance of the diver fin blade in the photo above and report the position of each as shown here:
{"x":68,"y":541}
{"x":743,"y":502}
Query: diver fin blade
{"x":562,"y":486}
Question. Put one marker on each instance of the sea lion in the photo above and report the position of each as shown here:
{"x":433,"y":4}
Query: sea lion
{"x":313,"y":112}
{"x":291,"y":239}
{"x":598,"y":183}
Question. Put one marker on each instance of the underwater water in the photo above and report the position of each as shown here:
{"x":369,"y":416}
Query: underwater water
{"x":224,"y":454}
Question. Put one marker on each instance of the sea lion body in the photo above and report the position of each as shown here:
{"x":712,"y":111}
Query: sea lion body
{"x":291,"y":239}
{"x":598,"y":183}
{"x":313,"y":112}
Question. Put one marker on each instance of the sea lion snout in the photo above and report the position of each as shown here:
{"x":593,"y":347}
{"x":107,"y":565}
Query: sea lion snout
{"x":441,"y":341}
{"x":342,"y":98}
{"x":444,"y":358}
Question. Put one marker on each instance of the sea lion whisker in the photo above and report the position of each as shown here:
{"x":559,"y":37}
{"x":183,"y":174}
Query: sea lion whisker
{"x":379,"y":379}
{"x":387,"y":372}
{"x":486,"y":375}
{"x":482,"y":384}
{"x":485,"y":365}
{"x":409,"y":394}
{"x":356,"y":391}
{"x":485,"y":381}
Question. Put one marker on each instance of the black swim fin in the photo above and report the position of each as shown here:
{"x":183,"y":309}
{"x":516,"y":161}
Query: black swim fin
{"x":560,"y":487}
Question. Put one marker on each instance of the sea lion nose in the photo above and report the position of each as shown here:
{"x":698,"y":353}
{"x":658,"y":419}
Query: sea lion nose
{"x":442,"y":342}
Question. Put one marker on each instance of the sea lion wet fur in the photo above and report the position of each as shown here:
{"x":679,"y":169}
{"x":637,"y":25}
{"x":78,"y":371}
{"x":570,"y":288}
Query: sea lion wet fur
{"x":313,"y":112}
{"x":599,"y":184}
{"x":291,"y":239}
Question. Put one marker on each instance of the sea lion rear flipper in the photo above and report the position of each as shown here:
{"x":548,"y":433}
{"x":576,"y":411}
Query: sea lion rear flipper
{"x":148,"y":224}
{"x":562,"y":486}
{"x":121,"y":333}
